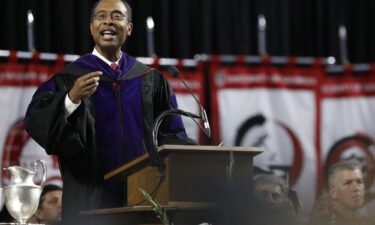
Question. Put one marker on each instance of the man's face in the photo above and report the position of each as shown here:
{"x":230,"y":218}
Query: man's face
{"x":110,"y":26}
{"x":50,"y":210}
{"x":270,"y":194}
{"x":348,"y":190}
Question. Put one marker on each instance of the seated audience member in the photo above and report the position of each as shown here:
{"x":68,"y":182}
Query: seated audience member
{"x":49,"y":209}
{"x":270,"y":190}
{"x":346,"y":196}
{"x":272,"y":202}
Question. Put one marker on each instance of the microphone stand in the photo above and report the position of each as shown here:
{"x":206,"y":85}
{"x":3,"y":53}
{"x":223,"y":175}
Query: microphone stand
{"x":176,"y":112}
{"x":165,"y":114}
{"x":203,"y":115}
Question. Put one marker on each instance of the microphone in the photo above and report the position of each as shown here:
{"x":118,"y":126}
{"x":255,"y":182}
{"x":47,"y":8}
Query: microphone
{"x":203,"y":115}
{"x":159,"y":120}
{"x":176,"y":112}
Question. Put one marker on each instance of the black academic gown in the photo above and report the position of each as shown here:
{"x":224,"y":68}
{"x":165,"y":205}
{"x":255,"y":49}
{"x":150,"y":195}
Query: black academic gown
{"x":108,"y":129}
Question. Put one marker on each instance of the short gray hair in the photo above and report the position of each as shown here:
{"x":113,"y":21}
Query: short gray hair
{"x":341,"y":166}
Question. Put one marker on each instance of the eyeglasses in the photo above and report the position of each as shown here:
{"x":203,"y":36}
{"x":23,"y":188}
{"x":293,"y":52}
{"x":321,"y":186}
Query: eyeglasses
{"x":115,"y":16}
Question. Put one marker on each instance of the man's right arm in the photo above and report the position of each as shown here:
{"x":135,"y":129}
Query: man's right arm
{"x":46,"y":123}
{"x":47,"y":120}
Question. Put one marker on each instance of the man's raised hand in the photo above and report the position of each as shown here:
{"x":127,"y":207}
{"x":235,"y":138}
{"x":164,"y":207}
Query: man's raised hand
{"x":84,"y":86}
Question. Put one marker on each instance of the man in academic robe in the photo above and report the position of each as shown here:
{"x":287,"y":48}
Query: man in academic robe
{"x":98,"y":113}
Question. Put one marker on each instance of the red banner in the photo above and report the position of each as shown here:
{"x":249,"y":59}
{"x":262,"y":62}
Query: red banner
{"x":304,"y":118}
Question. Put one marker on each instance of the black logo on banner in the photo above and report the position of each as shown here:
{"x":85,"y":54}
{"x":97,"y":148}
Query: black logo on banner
{"x":295,"y":167}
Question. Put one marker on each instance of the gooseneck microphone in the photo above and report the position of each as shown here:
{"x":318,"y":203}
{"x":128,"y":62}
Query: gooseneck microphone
{"x":159,"y":120}
{"x":178,"y":112}
{"x":203,"y":115}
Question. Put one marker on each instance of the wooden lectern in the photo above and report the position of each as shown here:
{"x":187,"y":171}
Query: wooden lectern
{"x":195,"y":177}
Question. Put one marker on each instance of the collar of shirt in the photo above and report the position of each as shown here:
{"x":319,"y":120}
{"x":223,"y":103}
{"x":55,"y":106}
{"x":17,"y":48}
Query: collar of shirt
{"x":96,"y":53}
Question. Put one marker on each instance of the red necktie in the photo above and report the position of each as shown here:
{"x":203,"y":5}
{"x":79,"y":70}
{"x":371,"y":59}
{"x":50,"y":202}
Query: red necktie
{"x":114,"y":66}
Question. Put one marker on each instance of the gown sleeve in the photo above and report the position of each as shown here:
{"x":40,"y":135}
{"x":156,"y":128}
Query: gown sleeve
{"x":46,"y":123}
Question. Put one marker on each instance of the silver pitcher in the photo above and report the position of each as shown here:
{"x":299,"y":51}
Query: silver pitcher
{"x":22,"y":194}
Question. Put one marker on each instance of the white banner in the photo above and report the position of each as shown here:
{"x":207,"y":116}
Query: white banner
{"x":282,"y":121}
{"x":275,"y":109}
